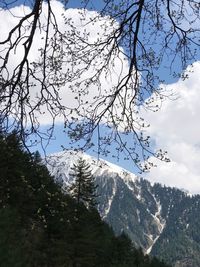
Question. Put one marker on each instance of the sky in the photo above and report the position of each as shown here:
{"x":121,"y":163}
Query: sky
{"x":174,"y":128}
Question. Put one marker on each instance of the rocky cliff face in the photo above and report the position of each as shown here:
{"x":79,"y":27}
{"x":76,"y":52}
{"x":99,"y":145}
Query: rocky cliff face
{"x":163,"y":221}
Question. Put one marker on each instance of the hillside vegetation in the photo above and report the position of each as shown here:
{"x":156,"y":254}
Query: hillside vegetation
{"x":39,"y":226}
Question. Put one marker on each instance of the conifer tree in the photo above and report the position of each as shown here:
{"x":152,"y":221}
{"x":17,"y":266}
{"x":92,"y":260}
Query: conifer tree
{"x":38,"y":223}
{"x":83,"y":189}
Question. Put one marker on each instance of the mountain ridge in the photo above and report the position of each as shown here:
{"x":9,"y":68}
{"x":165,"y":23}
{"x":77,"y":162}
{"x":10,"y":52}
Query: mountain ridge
{"x":101,"y":169}
{"x":148,"y":213}
{"x":69,"y":157}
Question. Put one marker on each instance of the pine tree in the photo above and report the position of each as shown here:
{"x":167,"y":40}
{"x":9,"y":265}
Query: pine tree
{"x":38,"y":223}
{"x":83,"y":189}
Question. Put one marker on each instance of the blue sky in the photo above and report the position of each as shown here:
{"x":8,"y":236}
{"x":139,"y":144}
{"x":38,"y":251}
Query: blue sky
{"x":174,"y":128}
{"x":163,"y":72}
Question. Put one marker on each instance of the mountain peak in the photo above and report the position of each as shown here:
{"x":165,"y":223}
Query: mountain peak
{"x":155,"y":217}
{"x":64,"y":160}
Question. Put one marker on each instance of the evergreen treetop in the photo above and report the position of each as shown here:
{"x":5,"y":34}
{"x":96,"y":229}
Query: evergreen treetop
{"x":83,"y":188}
{"x":38,"y":225}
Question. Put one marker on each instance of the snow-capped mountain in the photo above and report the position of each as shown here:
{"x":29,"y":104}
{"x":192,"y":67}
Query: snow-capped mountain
{"x":153,"y":216}
{"x":59,"y":165}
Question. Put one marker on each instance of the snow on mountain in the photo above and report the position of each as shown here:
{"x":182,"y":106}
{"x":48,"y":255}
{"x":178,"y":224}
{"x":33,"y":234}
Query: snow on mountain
{"x":117,"y":188}
{"x":155,"y":217}
{"x":59,"y":165}
{"x":161,"y":225}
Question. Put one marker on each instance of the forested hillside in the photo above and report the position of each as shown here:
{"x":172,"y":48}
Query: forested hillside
{"x":163,"y":221}
{"x":39,"y":225}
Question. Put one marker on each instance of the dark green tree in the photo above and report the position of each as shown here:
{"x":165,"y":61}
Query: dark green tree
{"x":83,"y":189}
{"x":38,"y":223}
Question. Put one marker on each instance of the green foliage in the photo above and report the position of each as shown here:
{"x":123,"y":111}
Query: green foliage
{"x":179,"y":243}
{"x":83,"y":189}
{"x":38,"y":223}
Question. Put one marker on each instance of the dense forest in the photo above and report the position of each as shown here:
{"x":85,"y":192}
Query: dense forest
{"x":40,"y":226}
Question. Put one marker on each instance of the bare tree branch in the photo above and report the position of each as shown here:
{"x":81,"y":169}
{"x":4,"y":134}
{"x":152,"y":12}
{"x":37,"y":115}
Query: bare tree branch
{"x":137,"y":36}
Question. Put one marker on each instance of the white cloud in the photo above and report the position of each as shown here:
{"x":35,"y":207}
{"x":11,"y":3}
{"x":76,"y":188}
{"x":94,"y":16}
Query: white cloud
{"x":100,"y":28}
{"x":176,"y":128}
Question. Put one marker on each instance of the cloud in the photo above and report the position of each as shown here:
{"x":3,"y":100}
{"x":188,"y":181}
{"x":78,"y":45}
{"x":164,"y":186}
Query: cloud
{"x":176,"y":128}
{"x":96,"y":95}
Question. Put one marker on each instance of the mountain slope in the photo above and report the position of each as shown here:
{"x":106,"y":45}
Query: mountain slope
{"x":159,"y":219}
{"x":41,"y":226}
